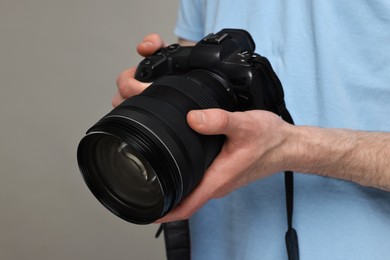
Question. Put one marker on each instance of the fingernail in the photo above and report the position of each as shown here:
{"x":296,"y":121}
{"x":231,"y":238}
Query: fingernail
{"x":199,"y":116}
{"x":147,"y":44}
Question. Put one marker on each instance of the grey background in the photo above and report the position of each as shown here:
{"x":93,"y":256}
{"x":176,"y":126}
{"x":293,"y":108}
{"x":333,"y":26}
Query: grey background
{"x":58,"y":65}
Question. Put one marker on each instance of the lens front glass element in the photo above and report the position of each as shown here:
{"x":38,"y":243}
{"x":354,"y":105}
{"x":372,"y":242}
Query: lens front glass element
{"x":126,"y":174}
{"x":135,"y":165}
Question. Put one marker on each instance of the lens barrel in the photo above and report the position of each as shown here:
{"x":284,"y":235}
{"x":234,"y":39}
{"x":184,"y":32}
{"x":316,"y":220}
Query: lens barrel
{"x":142,"y":158}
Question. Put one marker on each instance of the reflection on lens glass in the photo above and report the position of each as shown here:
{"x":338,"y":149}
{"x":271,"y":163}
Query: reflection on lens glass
{"x":127,"y":174}
{"x":135,"y":164}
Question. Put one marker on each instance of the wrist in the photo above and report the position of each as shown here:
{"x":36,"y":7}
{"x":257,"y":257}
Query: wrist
{"x":313,"y":149}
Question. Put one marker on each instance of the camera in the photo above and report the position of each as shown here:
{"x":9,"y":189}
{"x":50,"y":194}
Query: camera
{"x":142,"y":159}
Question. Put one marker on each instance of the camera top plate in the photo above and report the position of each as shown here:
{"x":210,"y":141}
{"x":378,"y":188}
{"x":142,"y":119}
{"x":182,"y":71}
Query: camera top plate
{"x":215,"y":38}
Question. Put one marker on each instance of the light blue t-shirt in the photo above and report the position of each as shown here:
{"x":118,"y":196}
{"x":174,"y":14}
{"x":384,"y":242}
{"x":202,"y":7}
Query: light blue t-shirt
{"x":333,"y":59}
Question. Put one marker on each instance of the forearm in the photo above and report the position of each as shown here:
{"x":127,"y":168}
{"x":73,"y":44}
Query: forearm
{"x":357,"y":156}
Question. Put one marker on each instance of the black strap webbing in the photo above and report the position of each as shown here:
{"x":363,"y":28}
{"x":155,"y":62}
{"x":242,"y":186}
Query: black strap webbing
{"x":177,"y":240}
{"x":291,"y":234}
{"x":177,"y":234}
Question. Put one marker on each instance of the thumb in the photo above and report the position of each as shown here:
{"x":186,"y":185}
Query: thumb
{"x":150,"y":44}
{"x":210,"y":121}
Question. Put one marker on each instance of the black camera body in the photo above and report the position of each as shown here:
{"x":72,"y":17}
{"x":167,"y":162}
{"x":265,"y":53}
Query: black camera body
{"x":142,"y":158}
{"x":230,"y":55}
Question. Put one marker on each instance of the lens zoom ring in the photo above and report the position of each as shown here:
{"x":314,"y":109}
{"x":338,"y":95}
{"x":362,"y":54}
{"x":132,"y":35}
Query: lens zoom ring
{"x":194,"y":90}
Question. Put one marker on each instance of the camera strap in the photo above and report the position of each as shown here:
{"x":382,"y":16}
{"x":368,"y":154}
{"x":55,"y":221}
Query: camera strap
{"x":291,"y":236}
{"x":177,"y":233}
{"x":177,"y":239}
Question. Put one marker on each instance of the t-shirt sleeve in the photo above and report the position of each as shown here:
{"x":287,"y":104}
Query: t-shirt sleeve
{"x":190,"y":20}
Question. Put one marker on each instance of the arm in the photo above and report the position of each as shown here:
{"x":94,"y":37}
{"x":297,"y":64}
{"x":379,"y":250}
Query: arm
{"x":264,"y":144}
{"x":357,"y":156}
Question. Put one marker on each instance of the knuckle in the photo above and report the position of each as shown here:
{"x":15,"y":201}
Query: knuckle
{"x":186,"y":215}
{"x":123,"y":90}
{"x":222,"y":119}
{"x":125,"y":75}
{"x":120,"y":80}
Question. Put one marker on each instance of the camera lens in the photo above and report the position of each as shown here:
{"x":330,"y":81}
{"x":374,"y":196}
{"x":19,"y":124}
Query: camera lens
{"x":142,"y":158}
{"x":120,"y":177}
{"x":133,"y":164}
{"x":131,"y":178}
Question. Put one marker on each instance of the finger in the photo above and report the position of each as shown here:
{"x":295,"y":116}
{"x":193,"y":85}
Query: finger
{"x":129,"y":73}
{"x":220,"y":177}
{"x":131,"y":87}
{"x":150,"y":44}
{"x":128,"y":89}
{"x":194,"y":201}
{"x":216,"y":121}
{"x":117,"y":99}
{"x":128,"y":86}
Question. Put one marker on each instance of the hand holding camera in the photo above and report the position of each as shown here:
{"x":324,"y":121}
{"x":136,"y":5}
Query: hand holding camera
{"x":254,"y":148}
{"x":127,"y":85}
{"x":142,"y":161}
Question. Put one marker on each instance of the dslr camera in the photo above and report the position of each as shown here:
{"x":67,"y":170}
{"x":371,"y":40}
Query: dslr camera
{"x":142,"y":159}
